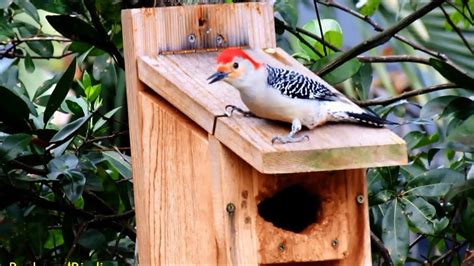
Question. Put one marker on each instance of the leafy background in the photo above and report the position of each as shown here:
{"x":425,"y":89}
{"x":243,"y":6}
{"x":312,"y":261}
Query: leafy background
{"x":65,"y":179}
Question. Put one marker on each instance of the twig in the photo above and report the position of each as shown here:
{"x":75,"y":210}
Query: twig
{"x":16,"y":55}
{"x":376,"y":27}
{"x":418,"y":239}
{"x":379,"y":38}
{"x":449,"y":252}
{"x":307,"y":33}
{"x":112,"y":136}
{"x":461,"y":12}
{"x":29,"y":169}
{"x":304,"y":41}
{"x":381,"y":248}
{"x":406,"y":95}
{"x":320,"y":26}
{"x":111,"y":48}
{"x":393,"y":59}
{"x":456,"y":29}
{"x":79,"y":232}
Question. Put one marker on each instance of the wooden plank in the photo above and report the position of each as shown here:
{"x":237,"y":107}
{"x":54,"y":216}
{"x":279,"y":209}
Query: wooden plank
{"x":175,"y":188}
{"x":233,"y":184}
{"x":136,"y":44}
{"x":326,"y":239}
{"x":359,"y":252}
{"x":331,"y":147}
{"x":241,"y":24}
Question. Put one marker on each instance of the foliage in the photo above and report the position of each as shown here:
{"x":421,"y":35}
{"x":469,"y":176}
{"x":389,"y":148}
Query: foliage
{"x":65,"y":188}
{"x":430,"y":199}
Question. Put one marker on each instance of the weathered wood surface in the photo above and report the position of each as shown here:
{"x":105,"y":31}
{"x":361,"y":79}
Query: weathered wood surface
{"x":181,"y":80}
{"x":175,"y":217}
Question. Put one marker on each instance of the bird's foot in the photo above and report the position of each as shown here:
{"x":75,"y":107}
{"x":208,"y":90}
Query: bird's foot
{"x":289,"y":139}
{"x":229,"y":109}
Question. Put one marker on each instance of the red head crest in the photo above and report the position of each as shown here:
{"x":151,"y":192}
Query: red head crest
{"x":229,"y":54}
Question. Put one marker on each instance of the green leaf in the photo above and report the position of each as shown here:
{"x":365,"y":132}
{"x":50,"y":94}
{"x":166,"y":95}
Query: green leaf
{"x":78,"y":30}
{"x":434,"y":183}
{"x":13,"y":109}
{"x":369,"y":8}
{"x":60,"y":91}
{"x":45,"y":86}
{"x":453,"y":74}
{"x":68,"y":131}
{"x":467,"y":220}
{"x":420,"y":213}
{"x":463,"y":133}
{"x":92,"y":92}
{"x":382,"y":197}
{"x":395,"y":233}
{"x":13,"y":146}
{"x":73,"y":184}
{"x":417,"y":139}
{"x":332,"y":33}
{"x":55,"y":239}
{"x":288,"y":11}
{"x":363,"y":81}
{"x":101,"y":122}
{"x":29,"y":64}
{"x":341,"y":73}
{"x":29,"y":8}
{"x":119,"y":163}
{"x":460,"y":190}
{"x":436,"y":106}
{"x":93,"y":239}
{"x":61,"y":165}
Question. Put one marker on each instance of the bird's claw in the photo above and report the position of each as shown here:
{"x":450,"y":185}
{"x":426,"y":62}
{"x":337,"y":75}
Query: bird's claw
{"x":289,"y":139}
{"x":234,"y":108}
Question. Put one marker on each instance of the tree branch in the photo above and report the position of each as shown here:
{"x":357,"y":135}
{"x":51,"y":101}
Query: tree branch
{"x":381,"y":248}
{"x":304,"y":41}
{"x":393,"y":59}
{"x":320,"y":26}
{"x":379,"y":38}
{"x":449,"y":252}
{"x":456,"y":29}
{"x":111,"y":48}
{"x":376,"y":27}
{"x":406,"y":95}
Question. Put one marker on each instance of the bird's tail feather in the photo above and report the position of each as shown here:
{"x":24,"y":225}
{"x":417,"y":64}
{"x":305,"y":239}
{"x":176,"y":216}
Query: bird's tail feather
{"x":368,"y":120}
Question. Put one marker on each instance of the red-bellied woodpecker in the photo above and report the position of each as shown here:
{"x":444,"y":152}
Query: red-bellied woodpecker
{"x":288,"y":96}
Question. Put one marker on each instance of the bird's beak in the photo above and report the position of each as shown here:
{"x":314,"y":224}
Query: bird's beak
{"x":217,"y":76}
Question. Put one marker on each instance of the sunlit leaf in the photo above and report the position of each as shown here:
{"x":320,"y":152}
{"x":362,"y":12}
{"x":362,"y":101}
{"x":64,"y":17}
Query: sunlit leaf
{"x":341,"y":73}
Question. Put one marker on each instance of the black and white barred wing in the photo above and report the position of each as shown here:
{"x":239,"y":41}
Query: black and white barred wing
{"x":296,"y":85}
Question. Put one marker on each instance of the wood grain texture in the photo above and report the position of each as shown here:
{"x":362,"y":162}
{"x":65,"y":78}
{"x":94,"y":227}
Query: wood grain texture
{"x":359,"y":252}
{"x":181,"y":80}
{"x":242,"y":24}
{"x":176,"y":189}
{"x":245,"y":238}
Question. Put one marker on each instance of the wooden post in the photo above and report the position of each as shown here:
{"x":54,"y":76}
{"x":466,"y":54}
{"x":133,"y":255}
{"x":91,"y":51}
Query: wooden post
{"x":214,"y":190}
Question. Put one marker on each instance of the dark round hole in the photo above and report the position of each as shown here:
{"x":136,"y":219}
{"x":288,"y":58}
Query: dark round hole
{"x":293,"y":208}
{"x":202,"y":22}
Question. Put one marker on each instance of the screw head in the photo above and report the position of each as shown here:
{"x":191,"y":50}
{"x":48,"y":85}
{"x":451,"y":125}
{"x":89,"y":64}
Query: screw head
{"x":191,"y":38}
{"x":230,"y":208}
{"x":220,"y":39}
{"x":281,"y":247}
{"x":334,"y":243}
{"x":360,"y":199}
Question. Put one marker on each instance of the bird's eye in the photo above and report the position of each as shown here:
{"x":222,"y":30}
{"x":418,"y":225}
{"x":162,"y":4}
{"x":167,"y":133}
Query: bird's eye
{"x":235,"y":65}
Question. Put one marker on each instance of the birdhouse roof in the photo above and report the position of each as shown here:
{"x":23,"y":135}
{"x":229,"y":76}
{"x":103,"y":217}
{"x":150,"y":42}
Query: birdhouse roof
{"x":181,"y":80}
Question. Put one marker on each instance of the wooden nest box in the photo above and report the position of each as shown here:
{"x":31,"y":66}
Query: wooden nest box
{"x":214,"y":190}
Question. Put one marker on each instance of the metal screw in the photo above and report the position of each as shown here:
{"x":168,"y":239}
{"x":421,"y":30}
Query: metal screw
{"x":191,"y":38}
{"x":281,"y":247}
{"x":360,"y":199}
{"x":334,"y":243}
{"x":220,"y":39}
{"x":230,"y":208}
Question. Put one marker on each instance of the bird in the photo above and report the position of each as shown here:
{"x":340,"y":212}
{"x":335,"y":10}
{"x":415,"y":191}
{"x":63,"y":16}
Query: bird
{"x":286,"y":95}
